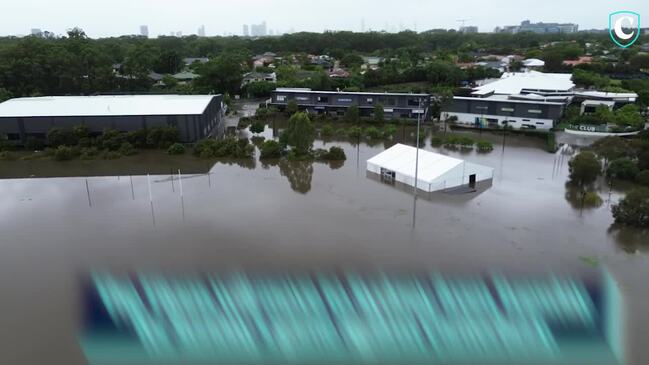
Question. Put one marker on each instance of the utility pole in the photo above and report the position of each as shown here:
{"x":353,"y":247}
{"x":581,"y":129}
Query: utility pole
{"x":414,"y":207}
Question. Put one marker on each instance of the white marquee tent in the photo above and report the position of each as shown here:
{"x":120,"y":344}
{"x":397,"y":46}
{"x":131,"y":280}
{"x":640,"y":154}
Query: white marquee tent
{"x":436,"y":171}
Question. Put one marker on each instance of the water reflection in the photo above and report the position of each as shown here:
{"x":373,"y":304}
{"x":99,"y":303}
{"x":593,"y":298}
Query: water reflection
{"x":629,"y":239}
{"x":580,"y":199}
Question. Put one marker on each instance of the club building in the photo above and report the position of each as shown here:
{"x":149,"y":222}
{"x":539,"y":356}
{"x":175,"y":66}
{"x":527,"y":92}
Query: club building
{"x":524,"y":100}
{"x":528,"y":100}
{"x":195,"y":116}
{"x":395,"y":105}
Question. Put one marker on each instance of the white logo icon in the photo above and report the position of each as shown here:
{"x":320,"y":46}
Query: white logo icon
{"x":624,"y":22}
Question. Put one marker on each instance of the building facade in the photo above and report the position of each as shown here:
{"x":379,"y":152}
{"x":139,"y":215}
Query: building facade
{"x":395,"y":105}
{"x":195,"y":116}
{"x":501,"y":112}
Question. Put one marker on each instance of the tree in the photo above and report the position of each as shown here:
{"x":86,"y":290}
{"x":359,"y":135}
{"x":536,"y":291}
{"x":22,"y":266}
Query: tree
{"x":633,"y":210}
{"x":628,"y":115}
{"x":623,"y":169}
{"x":611,"y":148}
{"x":257,"y":127}
{"x":379,"y":113}
{"x":352,"y":114}
{"x":299,"y":134}
{"x":220,"y":75}
{"x":168,"y":61}
{"x":4,"y":94}
{"x":352,"y":60}
{"x":584,"y":168}
{"x":292,"y":107}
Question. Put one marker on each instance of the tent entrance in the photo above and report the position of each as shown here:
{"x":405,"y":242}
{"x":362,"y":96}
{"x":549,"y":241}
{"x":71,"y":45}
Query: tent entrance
{"x":387,"y":176}
{"x":472,"y":179}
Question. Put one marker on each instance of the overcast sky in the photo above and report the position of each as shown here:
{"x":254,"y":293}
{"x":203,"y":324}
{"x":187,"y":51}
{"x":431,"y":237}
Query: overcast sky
{"x":102,"y":18}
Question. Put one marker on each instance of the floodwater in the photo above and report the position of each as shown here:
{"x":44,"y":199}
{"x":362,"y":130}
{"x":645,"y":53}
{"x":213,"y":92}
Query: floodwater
{"x":297,"y":215}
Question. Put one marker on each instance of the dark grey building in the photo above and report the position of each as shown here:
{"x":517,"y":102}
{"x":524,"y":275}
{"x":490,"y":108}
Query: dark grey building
{"x":195,"y":116}
{"x":395,"y":105}
{"x":495,"y":112}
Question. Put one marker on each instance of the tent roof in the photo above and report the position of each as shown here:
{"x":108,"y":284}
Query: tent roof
{"x":401,"y":159}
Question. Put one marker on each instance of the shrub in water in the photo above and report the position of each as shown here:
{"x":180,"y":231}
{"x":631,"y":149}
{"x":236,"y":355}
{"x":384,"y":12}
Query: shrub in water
{"x":270,"y":149}
{"x":336,"y":154}
{"x":327,"y":130}
{"x":257,"y":127}
{"x":176,"y":149}
{"x":127,"y":149}
{"x":373,"y":133}
{"x":485,"y":146}
{"x":63,"y":153}
{"x":389,"y":131}
{"x":354,"y":132}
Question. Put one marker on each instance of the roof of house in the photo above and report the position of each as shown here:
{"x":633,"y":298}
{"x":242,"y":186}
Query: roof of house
{"x":185,"y":75}
{"x":513,"y":82}
{"x":190,"y":60}
{"x":533,"y":62}
{"x":105,"y":105}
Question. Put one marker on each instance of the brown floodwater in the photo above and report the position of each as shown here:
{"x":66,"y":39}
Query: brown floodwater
{"x":298,"y":215}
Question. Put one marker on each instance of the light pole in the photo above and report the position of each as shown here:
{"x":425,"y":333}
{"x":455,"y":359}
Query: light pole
{"x":414,"y":207}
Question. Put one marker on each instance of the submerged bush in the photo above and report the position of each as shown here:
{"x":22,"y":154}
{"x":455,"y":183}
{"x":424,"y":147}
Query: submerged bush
{"x":327,"y":130}
{"x":389,"y":131}
{"x":127,"y":149}
{"x":270,"y":149}
{"x":227,"y":147}
{"x":89,"y":153}
{"x":373,"y":133}
{"x":7,"y":156}
{"x":176,"y":149}
{"x":257,"y":127}
{"x":63,"y":153}
{"x":335,"y":154}
{"x":484,"y":146}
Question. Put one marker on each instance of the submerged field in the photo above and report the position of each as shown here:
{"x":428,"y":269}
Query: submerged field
{"x":280,"y":214}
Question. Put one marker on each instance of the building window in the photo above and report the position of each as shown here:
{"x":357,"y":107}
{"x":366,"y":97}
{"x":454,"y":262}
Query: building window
{"x":370,"y":101}
{"x":281,"y":97}
{"x":507,"y":109}
{"x":344,"y":100}
{"x":302,"y":98}
{"x":482,"y":107}
{"x":413,"y":102}
{"x":535,"y":111}
{"x":323,"y":99}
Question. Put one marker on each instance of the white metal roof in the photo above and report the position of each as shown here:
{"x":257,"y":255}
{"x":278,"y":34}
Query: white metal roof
{"x":105,"y":105}
{"x":513,"y":82}
{"x":533,"y":62}
{"x":401,"y":158}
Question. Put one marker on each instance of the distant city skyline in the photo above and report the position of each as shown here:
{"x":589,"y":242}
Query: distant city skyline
{"x":227,"y":18}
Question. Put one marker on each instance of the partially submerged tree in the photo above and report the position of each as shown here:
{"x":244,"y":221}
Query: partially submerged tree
{"x":633,"y":210}
{"x":299,"y":134}
{"x":584,"y":168}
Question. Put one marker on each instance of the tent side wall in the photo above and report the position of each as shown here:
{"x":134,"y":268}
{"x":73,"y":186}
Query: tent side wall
{"x":460,"y":175}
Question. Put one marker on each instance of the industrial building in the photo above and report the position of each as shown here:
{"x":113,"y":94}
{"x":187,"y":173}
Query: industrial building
{"x":435,"y":172}
{"x":395,"y":105}
{"x":195,"y":116}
